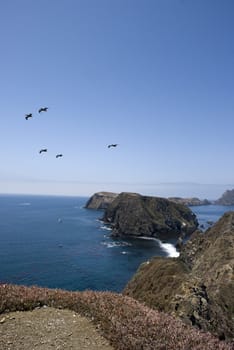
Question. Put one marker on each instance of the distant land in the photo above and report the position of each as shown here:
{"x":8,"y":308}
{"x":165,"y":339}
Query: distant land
{"x":226,"y":199}
{"x":190,"y":201}
{"x":101,"y":200}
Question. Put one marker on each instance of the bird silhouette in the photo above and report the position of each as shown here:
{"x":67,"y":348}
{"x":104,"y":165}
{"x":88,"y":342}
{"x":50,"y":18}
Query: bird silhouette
{"x":44,"y":109}
{"x":59,"y":155}
{"x":28,"y":116}
{"x":113,"y":145}
{"x":43,"y":150}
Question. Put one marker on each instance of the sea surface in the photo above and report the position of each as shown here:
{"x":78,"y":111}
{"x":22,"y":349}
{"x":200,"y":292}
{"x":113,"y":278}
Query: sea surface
{"x":55,"y":242}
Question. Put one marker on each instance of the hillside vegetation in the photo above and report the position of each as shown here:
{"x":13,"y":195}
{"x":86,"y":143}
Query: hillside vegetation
{"x":126,"y":323}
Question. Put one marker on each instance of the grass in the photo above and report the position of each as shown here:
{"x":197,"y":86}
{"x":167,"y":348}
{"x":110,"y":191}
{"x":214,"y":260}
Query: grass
{"x":126,"y":323}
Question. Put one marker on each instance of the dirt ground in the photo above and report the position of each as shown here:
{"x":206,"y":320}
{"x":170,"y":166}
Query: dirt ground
{"x":48,"y":328}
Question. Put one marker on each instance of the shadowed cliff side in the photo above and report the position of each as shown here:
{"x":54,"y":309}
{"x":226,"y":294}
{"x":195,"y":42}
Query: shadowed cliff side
{"x":198,"y":286}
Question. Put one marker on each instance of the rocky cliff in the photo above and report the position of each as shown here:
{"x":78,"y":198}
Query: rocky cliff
{"x":100,"y":200}
{"x":190,"y":201}
{"x":226,"y":199}
{"x":132,"y":214}
{"x":198,"y":286}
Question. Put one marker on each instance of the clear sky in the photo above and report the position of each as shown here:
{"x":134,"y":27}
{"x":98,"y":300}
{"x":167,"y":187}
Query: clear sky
{"x":154,"y":76}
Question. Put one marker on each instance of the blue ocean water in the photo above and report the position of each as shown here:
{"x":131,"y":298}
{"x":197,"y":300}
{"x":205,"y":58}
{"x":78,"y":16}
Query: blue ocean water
{"x":55,"y":242}
{"x":210,"y":213}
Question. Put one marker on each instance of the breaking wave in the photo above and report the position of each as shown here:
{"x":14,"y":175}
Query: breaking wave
{"x":167,"y":247}
{"x":106,"y":228}
{"x":116,"y":244}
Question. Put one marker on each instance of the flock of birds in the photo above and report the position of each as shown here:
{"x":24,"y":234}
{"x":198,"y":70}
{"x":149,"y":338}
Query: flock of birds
{"x":45,"y":109}
{"x":27,"y":116}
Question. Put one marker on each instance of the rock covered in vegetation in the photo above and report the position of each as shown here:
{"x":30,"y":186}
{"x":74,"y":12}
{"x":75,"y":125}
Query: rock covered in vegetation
{"x":100,"y":200}
{"x":198,"y":286}
{"x":226,"y":199}
{"x":190,"y":201}
{"x":131,"y":214}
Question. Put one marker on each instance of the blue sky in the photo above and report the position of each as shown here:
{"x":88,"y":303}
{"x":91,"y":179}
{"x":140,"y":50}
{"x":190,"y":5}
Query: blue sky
{"x":154,"y":76}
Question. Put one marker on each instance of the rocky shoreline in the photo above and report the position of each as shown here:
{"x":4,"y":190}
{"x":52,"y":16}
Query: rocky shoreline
{"x":198,"y":286}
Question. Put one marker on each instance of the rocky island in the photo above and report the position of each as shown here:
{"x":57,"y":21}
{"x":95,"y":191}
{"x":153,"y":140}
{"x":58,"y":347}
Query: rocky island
{"x":131,"y":214}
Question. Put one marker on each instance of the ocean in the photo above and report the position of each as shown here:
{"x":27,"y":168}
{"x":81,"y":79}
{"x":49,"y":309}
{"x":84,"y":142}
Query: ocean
{"x":54,"y":242}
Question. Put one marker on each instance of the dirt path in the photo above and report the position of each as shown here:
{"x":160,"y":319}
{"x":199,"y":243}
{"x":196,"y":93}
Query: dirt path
{"x":48,"y":328}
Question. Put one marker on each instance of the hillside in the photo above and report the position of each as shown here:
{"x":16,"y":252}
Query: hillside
{"x":198,"y":286}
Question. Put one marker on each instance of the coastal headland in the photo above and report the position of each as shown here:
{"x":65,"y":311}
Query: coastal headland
{"x":198,"y":286}
{"x":169,"y":301}
{"x":131,"y":214}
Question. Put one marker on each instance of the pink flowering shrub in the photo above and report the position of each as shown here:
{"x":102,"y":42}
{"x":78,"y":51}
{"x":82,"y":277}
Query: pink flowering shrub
{"x":128,"y":324}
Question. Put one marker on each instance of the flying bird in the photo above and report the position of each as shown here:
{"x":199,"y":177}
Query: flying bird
{"x":113,"y":145}
{"x":43,"y":150}
{"x":44,"y":109}
{"x":28,"y":116}
{"x":59,"y":155}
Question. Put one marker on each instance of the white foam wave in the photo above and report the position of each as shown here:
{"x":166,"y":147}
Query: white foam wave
{"x":167,"y":247}
{"x":25,"y":203}
{"x":106,"y":228}
{"x":116,"y":244}
{"x":148,"y":238}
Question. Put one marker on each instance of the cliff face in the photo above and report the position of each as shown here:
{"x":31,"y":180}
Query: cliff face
{"x":134,"y":215}
{"x":227,"y":198}
{"x":198,"y":286}
{"x":100,"y":200}
{"x":190,"y":201}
